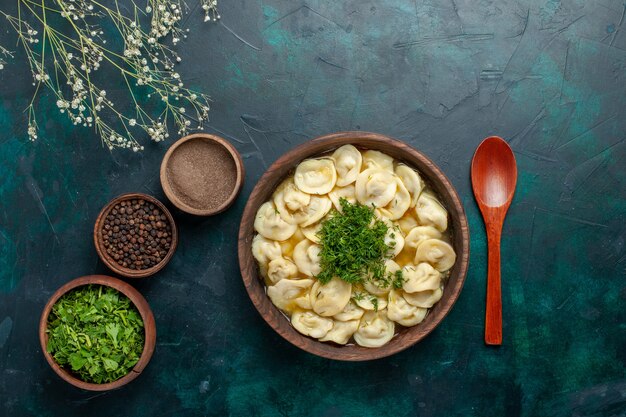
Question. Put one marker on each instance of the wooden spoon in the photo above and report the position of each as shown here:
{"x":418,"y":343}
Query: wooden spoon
{"x":494,"y":175}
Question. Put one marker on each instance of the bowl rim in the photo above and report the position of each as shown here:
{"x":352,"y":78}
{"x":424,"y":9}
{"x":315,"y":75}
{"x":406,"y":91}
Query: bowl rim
{"x":318,"y":146}
{"x":171,"y":195}
{"x":99,"y":241}
{"x":146,"y":315}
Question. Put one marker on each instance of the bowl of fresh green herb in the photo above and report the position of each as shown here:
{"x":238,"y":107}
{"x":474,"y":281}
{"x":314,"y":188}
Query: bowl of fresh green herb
{"x":97,"y":332}
{"x":353,"y":280}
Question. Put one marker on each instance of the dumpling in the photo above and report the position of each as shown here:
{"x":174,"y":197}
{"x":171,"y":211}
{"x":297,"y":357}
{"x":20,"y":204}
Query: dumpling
{"x":394,"y":239}
{"x":316,"y":176}
{"x":318,"y":207}
{"x":407,"y":223}
{"x":348,"y":161}
{"x":419,"y":234}
{"x":306,"y":255}
{"x":399,"y":203}
{"x":350,"y":312}
{"x":411,"y":180}
{"x":400,"y":311}
{"x":420,"y":278}
{"x":375,"y":186}
{"x":370,"y":302}
{"x":330,"y":298}
{"x":431,"y":213}
{"x":288,"y":200}
{"x":281,"y":268}
{"x":265,"y":250}
{"x":347,"y":192}
{"x":424,"y":299}
{"x":284,"y":293}
{"x":270,"y":225}
{"x":341,"y":332}
{"x":437,"y":253}
{"x":382,"y":287}
{"x":375,"y":329}
{"x":376,"y":159}
{"x":311,"y":232}
{"x":310,"y":324}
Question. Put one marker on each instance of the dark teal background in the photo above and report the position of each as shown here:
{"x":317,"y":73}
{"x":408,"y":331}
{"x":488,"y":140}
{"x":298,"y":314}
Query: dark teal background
{"x":549,"y":76}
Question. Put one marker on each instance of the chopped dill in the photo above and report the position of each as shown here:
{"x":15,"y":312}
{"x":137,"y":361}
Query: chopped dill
{"x":398,"y":279}
{"x":374,"y":302}
{"x":353,"y":245}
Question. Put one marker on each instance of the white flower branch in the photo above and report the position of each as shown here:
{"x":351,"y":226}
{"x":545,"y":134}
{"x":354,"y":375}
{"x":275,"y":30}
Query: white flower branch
{"x":66,"y":62}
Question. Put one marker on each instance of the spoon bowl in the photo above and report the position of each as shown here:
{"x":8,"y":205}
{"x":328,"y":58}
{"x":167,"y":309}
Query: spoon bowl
{"x":495,"y":170}
{"x":494,"y":176}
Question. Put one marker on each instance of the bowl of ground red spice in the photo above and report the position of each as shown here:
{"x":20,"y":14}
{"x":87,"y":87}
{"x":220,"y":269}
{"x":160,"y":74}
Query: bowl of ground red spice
{"x":202,"y":174}
{"x":135,"y":235}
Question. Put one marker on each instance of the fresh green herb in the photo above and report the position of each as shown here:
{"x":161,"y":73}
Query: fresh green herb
{"x":353,"y":244}
{"x":358,"y":296}
{"x":398,"y":279}
{"x":374,"y":302}
{"x":96,"y":332}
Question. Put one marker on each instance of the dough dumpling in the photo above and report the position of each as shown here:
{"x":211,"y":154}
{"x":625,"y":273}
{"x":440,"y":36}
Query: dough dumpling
{"x":375,"y":186}
{"x":382,"y":287}
{"x":394,"y":239}
{"x":350,"y":312}
{"x":370,"y":302}
{"x":281,"y":268}
{"x":317,"y":208}
{"x":311,"y":232}
{"x":399,"y":203}
{"x":348,"y":161}
{"x":341,"y":332}
{"x":270,"y":225}
{"x":422,"y":277}
{"x":265,"y":250}
{"x":412,"y":182}
{"x":310,"y":324}
{"x":424,"y":299}
{"x":347,"y":192}
{"x":407,"y":223}
{"x":437,"y":253}
{"x":316,"y":176}
{"x":288,"y":200}
{"x":419,"y":234}
{"x":330,"y":298}
{"x":375,"y":329}
{"x":431,"y":213}
{"x":306,"y":255}
{"x":284,"y":293}
{"x":400,"y":311}
{"x":376,"y":159}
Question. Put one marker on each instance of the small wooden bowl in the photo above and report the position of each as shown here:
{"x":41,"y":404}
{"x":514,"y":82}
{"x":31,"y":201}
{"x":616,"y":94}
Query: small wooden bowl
{"x":110,"y":262}
{"x":400,"y":151}
{"x":139,"y":302}
{"x":178,"y":202}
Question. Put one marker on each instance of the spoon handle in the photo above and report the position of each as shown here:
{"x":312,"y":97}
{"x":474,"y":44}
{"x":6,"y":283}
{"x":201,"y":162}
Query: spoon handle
{"x":493,"y":313}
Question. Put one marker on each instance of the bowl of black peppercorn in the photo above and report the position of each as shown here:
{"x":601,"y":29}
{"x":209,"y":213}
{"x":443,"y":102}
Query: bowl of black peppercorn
{"x":135,"y":235}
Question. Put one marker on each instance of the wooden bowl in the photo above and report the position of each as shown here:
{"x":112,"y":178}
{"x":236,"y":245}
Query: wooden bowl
{"x":110,"y":262}
{"x":176,"y":200}
{"x":139,"y":302}
{"x":400,"y":151}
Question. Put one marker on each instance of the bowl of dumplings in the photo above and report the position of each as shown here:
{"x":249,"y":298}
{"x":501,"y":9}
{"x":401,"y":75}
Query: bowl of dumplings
{"x":353,"y":246}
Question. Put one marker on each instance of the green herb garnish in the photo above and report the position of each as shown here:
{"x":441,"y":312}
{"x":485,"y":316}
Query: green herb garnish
{"x":96,"y":332}
{"x":353,"y":245}
{"x":398,"y":279}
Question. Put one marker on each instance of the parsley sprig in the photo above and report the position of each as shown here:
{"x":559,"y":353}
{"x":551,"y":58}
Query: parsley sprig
{"x":353,"y":245}
{"x":96,"y":332}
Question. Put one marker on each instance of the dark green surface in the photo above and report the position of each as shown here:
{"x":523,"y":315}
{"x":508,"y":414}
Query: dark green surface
{"x":549,"y":76}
